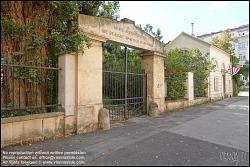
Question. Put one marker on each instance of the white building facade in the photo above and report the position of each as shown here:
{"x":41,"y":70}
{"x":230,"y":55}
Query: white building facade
{"x":220,"y":79}
{"x":241,"y":44}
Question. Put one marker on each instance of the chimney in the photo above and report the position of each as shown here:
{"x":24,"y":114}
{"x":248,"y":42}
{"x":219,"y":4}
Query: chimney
{"x":192,"y":24}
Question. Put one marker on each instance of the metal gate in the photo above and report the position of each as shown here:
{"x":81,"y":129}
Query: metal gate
{"x":124,"y":94}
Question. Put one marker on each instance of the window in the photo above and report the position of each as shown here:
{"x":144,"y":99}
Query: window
{"x":241,"y":33}
{"x":242,"y":45}
{"x":216,"y":82}
{"x":242,"y":57}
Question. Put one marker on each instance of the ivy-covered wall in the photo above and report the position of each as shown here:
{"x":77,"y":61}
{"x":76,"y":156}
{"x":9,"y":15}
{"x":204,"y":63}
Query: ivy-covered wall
{"x":34,"y":33}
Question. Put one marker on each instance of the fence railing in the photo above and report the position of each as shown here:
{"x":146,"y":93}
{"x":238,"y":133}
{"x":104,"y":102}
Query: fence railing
{"x":28,"y":90}
{"x":125,"y":97}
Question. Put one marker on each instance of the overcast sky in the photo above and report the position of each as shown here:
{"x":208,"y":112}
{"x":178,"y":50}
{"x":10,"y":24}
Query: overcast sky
{"x":175,"y":17}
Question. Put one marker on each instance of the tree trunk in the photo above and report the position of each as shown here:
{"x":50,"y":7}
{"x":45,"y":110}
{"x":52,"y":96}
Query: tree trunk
{"x":22,"y":13}
{"x":235,"y":88}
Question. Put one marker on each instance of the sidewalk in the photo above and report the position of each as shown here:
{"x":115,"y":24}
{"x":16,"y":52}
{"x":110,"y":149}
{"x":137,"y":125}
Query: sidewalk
{"x":103,"y":142}
{"x":243,"y":93}
{"x":146,"y":137}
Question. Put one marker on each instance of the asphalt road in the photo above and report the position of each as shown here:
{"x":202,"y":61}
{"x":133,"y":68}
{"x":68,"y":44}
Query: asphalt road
{"x":210,"y":134}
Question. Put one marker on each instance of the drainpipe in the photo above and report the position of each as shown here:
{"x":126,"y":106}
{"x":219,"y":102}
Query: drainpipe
{"x":209,"y":79}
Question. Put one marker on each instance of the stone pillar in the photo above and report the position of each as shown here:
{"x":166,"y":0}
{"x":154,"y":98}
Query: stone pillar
{"x":153,"y":64}
{"x":89,"y":84}
{"x":190,"y":86}
{"x":67,"y":90}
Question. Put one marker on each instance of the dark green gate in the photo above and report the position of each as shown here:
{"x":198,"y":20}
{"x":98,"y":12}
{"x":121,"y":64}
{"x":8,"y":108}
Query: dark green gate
{"x":124,"y":93}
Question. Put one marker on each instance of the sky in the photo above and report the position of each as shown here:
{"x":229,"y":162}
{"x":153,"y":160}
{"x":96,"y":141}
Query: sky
{"x":173,"y":17}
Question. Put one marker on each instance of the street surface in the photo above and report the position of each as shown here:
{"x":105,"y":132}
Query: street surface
{"x":209,"y":134}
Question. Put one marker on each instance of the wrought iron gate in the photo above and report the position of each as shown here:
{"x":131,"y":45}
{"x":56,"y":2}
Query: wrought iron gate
{"x":124,"y":103}
{"x":124,"y":93}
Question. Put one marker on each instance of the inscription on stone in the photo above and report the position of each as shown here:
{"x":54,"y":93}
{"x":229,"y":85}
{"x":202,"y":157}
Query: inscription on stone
{"x":119,"y":32}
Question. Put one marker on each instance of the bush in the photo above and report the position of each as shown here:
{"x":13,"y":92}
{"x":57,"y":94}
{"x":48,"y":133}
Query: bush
{"x":201,"y":67}
{"x":177,"y":64}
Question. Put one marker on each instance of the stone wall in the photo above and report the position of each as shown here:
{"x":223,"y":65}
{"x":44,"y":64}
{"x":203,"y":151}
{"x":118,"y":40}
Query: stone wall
{"x":26,"y":129}
{"x":176,"y":104}
{"x":198,"y":101}
{"x":183,"y":103}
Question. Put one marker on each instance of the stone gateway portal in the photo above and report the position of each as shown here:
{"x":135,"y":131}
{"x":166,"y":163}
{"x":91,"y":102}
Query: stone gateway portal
{"x":81,"y":83}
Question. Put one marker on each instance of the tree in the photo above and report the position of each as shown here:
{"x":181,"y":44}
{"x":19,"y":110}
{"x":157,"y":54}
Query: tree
{"x":35,"y":32}
{"x":245,"y":69}
{"x":225,"y":42}
{"x":175,"y":73}
{"x":89,"y":7}
{"x":201,"y":66}
{"x":178,"y":63}
{"x":106,"y":9}
{"x":149,"y":29}
{"x":158,"y":34}
{"x":24,"y":30}
{"x":109,"y":9}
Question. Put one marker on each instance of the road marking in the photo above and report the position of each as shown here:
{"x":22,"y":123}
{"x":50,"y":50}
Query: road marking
{"x":244,"y":106}
{"x":240,"y":114}
{"x":240,"y":107}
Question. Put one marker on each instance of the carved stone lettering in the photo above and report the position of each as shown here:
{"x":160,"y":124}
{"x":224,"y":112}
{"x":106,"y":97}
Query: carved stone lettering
{"x":125,"y":33}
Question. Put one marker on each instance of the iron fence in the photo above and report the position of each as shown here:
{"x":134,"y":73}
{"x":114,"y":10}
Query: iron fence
{"x":124,"y":87}
{"x":28,"y":89}
{"x":125,"y":97}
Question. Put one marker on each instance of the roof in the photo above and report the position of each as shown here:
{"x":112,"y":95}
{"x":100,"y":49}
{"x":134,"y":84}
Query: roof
{"x":197,"y":39}
{"x":190,"y":36}
{"x":232,"y":29}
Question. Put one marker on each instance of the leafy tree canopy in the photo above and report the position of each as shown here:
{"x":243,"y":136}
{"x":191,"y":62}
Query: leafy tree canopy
{"x":149,"y":29}
{"x":225,"y":42}
{"x":245,"y":69}
{"x":107,"y":9}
